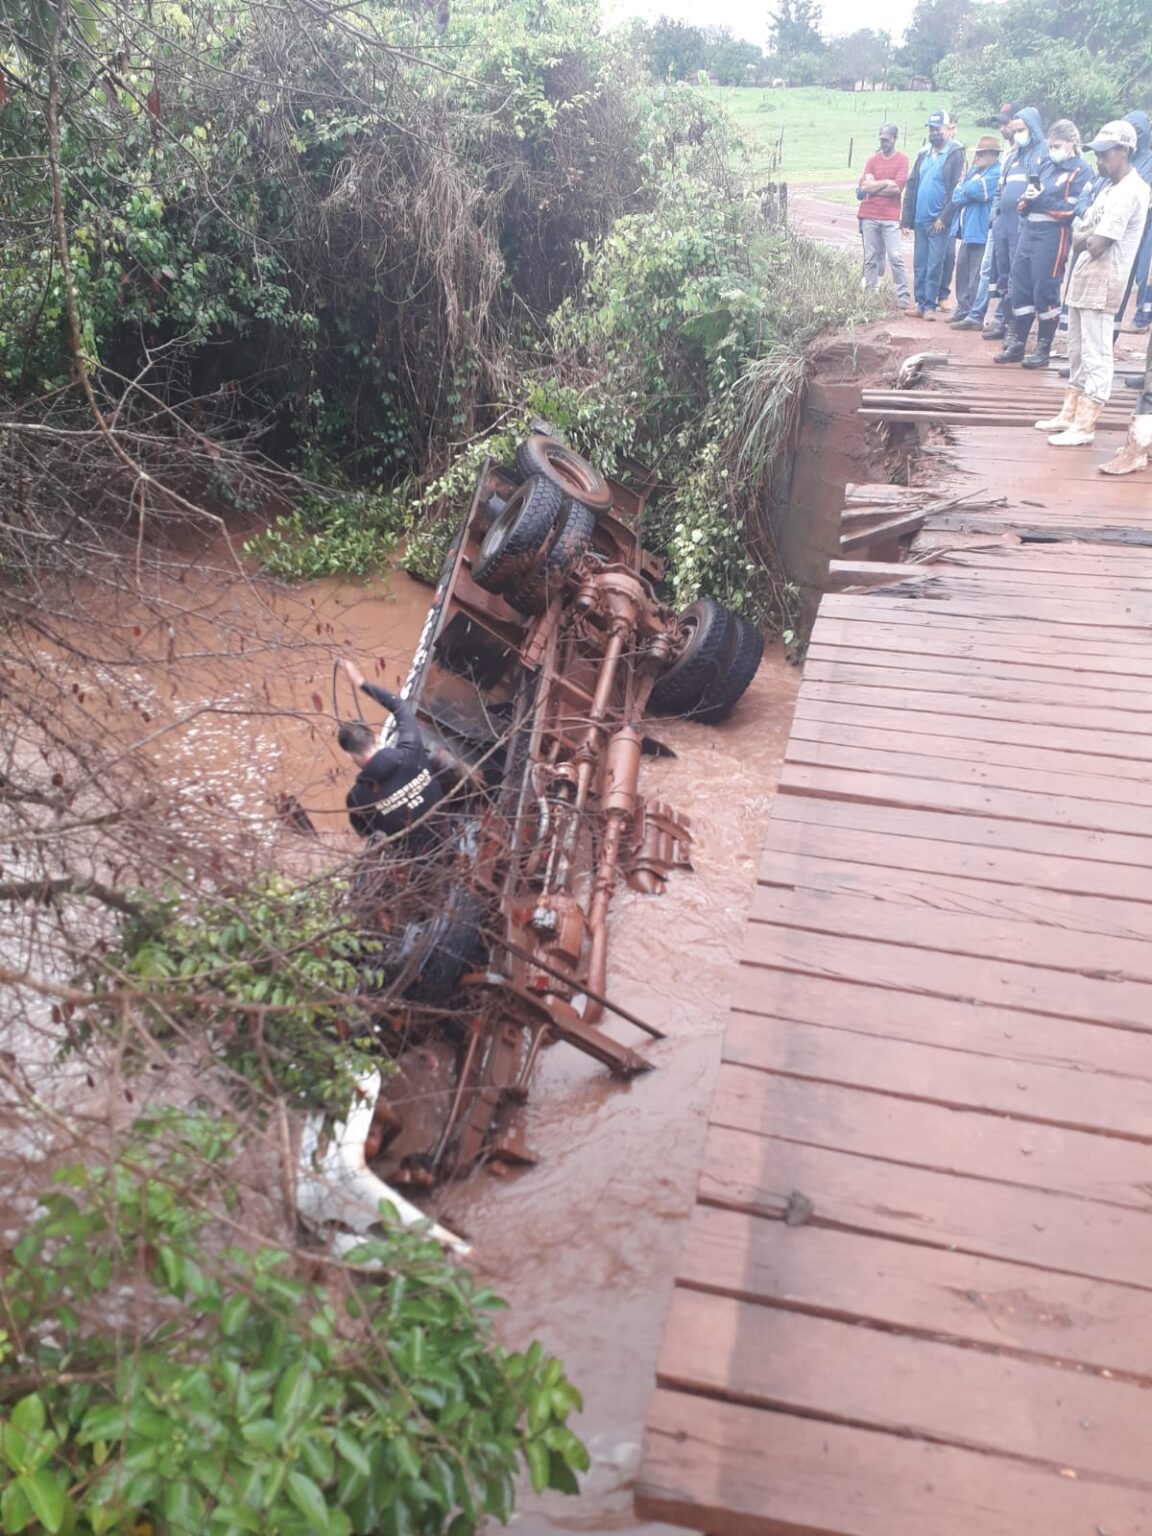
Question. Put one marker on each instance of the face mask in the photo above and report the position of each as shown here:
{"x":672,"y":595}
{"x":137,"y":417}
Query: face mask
{"x":1056,"y":155}
{"x":1023,"y":138}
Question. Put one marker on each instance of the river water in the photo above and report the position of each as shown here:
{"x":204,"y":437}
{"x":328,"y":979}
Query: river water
{"x":237,"y":680}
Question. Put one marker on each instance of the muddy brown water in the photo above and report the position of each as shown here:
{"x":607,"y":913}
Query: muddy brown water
{"x":582,"y":1246}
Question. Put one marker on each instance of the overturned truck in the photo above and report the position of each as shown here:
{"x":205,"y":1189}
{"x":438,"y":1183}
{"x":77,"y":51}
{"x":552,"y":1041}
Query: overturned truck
{"x":546,"y":644}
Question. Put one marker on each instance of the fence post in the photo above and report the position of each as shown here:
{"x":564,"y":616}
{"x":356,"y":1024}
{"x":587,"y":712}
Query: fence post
{"x":850,"y":144}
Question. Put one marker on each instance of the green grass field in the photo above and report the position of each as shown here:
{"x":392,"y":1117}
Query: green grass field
{"x":814,"y":130}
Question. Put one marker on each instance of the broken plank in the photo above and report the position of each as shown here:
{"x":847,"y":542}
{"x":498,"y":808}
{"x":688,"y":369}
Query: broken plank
{"x":1070,"y":700}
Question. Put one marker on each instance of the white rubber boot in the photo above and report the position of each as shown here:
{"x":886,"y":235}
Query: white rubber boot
{"x":1067,"y":416}
{"x":1134,"y":454}
{"x":1083,"y":432}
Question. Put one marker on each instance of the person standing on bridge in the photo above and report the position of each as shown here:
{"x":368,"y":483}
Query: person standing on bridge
{"x":973,"y":201}
{"x":881,"y":185}
{"x":1133,"y":455}
{"x":1020,"y":166}
{"x":928,"y":210}
{"x":1104,"y":246}
{"x":1048,"y":208}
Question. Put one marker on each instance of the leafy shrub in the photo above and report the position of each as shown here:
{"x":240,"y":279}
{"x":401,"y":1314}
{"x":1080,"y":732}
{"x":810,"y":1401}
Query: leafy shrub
{"x":270,"y":975}
{"x":157,"y":1370}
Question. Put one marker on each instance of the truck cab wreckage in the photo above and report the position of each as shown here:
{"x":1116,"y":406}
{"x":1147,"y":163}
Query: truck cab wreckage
{"x":546,"y":644}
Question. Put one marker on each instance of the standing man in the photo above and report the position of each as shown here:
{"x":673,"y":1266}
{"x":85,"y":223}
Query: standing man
{"x":1104,"y":247}
{"x":974,"y":320}
{"x":973,"y":199}
{"x":1134,"y":453}
{"x":1020,"y":167}
{"x":928,"y":208}
{"x":884,"y":179}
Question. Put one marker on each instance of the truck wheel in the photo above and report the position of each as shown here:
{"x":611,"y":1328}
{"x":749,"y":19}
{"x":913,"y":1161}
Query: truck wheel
{"x":574,"y":530}
{"x":441,"y":949}
{"x":519,"y":534}
{"x":549,"y":458}
{"x":705,"y":633}
{"x":735,"y":673}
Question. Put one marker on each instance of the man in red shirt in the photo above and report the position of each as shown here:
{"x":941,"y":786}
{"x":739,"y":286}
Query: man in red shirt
{"x":879,"y":193}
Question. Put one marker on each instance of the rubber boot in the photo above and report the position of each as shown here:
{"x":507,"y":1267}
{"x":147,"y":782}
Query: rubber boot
{"x":1067,"y":416}
{"x":1012,"y":351}
{"x":995,"y":332}
{"x":1134,"y":454}
{"x":1038,"y":357}
{"x":1083,"y":431}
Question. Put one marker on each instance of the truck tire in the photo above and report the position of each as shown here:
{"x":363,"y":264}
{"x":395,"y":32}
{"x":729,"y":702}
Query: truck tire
{"x":443,"y":948}
{"x":735,"y":673}
{"x":574,"y":530}
{"x":518,"y":535}
{"x":549,"y":458}
{"x":706,"y":632}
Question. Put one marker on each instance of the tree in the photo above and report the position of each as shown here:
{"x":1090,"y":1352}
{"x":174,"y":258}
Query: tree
{"x":733,"y":60}
{"x":935,"y":30}
{"x":795,"y":28}
{"x":862,"y":55}
{"x":673,"y":50}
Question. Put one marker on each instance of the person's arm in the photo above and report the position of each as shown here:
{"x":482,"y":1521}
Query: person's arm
{"x":908,"y":209}
{"x":409,"y":737}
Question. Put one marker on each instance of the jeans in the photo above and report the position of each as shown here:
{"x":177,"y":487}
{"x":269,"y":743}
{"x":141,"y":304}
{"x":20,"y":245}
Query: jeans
{"x":882,"y":243}
{"x":980,"y":302}
{"x":929,"y":252}
{"x":968,"y":267}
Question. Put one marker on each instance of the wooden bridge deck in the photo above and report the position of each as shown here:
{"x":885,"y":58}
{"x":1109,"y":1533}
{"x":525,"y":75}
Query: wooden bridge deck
{"x":915,"y":1296}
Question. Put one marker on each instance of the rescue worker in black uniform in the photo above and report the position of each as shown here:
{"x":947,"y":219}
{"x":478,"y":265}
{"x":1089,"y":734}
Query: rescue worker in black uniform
{"x":396,"y":787}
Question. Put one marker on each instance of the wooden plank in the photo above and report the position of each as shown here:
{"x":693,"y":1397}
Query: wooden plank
{"x":1066,"y":617}
{"x":767,"y":1357}
{"x":1046,"y":669}
{"x":736,"y":1471}
{"x":968,"y":752}
{"x":917,"y":701}
{"x":895,"y":1130}
{"x":884,"y":608}
{"x":1124,"y":745}
{"x":854,"y":844}
{"x":1071,"y":700}
{"x":1133,"y":823}
{"x":975,"y":831}
{"x":757,"y":1174}
{"x":983,"y":935}
{"x":973,"y":769}
{"x":944,"y":891}
{"x":866,"y":573}
{"x":892,"y":528}
{"x":947,"y":1076}
{"x":953,"y":1023}
{"x":926,"y":1291}
{"x":1065,"y":994}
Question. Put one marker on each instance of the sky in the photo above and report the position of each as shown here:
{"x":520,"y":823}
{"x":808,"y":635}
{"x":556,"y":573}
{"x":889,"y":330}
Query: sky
{"x":749,"y":18}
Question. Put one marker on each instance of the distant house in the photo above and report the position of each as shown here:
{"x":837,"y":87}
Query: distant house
{"x":920,"y":83}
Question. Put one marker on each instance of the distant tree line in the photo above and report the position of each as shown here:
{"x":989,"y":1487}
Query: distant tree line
{"x":1089,"y":58}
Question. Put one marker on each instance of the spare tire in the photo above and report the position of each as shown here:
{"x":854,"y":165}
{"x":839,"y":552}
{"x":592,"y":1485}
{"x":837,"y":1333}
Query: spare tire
{"x":436,"y":953}
{"x":705,"y":634}
{"x":519,"y":534}
{"x":732,"y":677}
{"x":548,"y":458}
{"x":574,"y":530}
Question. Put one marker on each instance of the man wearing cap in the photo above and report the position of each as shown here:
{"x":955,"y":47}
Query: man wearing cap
{"x":973,"y":200}
{"x":974,"y":320}
{"x":928,"y":210}
{"x":1104,"y":246}
{"x":884,"y":179}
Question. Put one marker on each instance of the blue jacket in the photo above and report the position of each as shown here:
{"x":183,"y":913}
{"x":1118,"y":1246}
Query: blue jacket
{"x":1020,"y":165}
{"x":1143,"y":157}
{"x":973,"y":199}
{"x":946,"y":172}
{"x":1062,"y":184}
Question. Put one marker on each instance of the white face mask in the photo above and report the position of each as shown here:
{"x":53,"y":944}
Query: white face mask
{"x":1057,"y":155}
{"x":1023,"y":138}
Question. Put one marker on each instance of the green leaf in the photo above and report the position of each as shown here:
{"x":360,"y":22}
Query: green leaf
{"x":184,"y":1508}
{"x":538,"y":1464}
{"x":308,"y":1500}
{"x":47,"y":1497}
{"x":293,"y":1392}
{"x":15,"y":1510}
{"x":29,"y":1416}
{"x":353,"y":1453}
